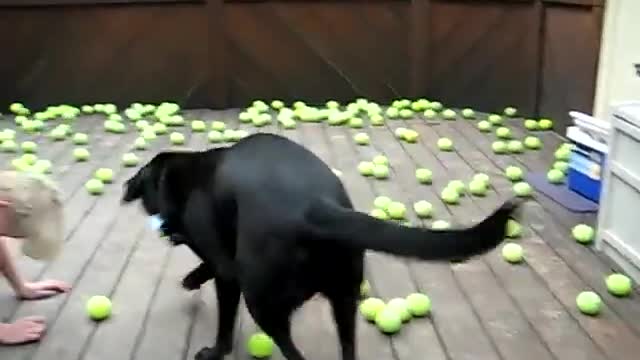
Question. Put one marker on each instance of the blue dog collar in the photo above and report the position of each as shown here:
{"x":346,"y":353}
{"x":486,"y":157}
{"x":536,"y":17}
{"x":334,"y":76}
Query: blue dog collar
{"x":155,"y":221}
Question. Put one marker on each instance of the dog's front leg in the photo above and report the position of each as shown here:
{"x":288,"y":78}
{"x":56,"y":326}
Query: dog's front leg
{"x":199,"y":224}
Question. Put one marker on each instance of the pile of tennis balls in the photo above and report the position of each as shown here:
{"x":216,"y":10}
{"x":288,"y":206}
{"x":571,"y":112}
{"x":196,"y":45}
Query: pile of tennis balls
{"x":390,"y":316}
{"x":378,"y":167}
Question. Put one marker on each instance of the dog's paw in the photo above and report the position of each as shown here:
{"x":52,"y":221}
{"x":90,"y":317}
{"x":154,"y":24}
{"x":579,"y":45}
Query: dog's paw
{"x":191,"y":282}
{"x":208,"y":353}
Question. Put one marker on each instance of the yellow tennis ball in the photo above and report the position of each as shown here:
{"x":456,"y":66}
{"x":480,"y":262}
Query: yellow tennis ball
{"x":99,"y":307}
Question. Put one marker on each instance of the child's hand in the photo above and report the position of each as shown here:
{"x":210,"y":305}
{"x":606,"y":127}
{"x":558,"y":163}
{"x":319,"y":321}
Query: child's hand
{"x":42,"y":289}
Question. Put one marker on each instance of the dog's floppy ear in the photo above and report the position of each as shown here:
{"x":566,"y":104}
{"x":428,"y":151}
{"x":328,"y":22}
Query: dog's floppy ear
{"x":147,"y":176}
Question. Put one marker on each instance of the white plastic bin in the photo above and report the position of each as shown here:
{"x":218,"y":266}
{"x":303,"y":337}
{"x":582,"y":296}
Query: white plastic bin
{"x":619,"y":216}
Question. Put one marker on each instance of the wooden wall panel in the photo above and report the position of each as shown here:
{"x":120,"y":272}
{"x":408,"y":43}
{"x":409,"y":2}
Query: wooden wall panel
{"x":570,"y":61}
{"x":117,"y":54}
{"x":317,"y":51}
{"x":483,"y":54}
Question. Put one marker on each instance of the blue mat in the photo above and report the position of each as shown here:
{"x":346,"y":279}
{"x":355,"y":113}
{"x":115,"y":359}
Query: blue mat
{"x":561,"y":194}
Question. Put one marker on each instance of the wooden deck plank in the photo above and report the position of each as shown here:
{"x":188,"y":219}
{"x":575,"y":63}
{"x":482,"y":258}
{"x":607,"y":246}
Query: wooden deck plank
{"x":546,"y":314}
{"x":565,"y":284}
{"x":459,"y":318}
{"x":75,"y":209}
{"x":88,"y":266}
{"x":509,"y":329}
{"x":391,"y":275}
{"x":583,"y":260}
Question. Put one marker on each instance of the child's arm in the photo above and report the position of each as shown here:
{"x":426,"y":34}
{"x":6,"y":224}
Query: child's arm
{"x":8,"y":268}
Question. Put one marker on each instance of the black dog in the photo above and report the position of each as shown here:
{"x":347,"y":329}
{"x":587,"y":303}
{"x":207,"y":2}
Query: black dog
{"x":271,"y":220}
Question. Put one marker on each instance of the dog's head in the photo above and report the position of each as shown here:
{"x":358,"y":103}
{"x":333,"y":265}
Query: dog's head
{"x":145,"y":185}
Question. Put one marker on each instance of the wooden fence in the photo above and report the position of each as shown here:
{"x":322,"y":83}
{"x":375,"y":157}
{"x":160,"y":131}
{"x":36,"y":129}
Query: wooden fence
{"x":538,"y":55}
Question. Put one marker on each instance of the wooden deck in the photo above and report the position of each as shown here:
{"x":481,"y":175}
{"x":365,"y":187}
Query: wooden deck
{"x":484,"y":309}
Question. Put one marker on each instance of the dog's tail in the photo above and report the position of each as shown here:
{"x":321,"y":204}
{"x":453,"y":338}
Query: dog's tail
{"x":359,"y":230}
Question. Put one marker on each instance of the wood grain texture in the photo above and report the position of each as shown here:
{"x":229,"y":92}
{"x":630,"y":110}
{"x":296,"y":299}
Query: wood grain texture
{"x":570,"y":61}
{"x":32,"y":3}
{"x":539,"y":56}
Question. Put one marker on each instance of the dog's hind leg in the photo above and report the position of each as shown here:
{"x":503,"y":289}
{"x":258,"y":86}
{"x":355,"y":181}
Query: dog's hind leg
{"x":274,"y":320}
{"x":344,"y":313}
{"x":228,"y":293}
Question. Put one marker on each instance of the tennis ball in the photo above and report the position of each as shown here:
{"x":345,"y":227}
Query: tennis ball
{"x":332,"y":104}
{"x":513,"y":173}
{"x":499,"y":147}
{"x":555,"y":176}
{"x":365,"y":168}
{"x":510,"y":111}
{"x":531,"y":124}
{"x":484,"y":126}
{"x":99,"y":307}
{"x":457,"y":185}
{"x":218,"y":126}
{"x":130,"y":159}
{"x":400,"y":305}
{"x":214,"y":136}
{"x":240,"y":134}
{"x":589,"y":303}
{"x":29,"y":159}
{"x":370,"y":307}
{"x":29,"y":147}
{"x":561,"y":165}
{"x":423,"y":209}
{"x":198,"y":126}
{"x":380,"y":171}
{"x":228,"y":135}
{"x":405,"y":113}
{"x":429,"y":114}
{"x":418,"y":304}
{"x":20,"y":164}
{"x":355,"y":123}
{"x":440,"y":225}
{"x":94,"y":186}
{"x":545,"y":124}
{"x":389,"y":320}
{"x":376,"y":120}
{"x":80,"y":139}
{"x":176,"y":138}
{"x":160,"y":128}
{"x":411,"y":136}
{"x":382,"y":202}
{"x":448,"y":114}
{"x":445,"y":144}
{"x":115,"y":117}
{"x":277,"y":104}
{"x":149,"y":134}
{"x":503,"y":132}
{"x":58,"y":134}
{"x":396,"y":210}
{"x":583,"y":233}
{"x":42,"y":166}
{"x":9,"y":146}
{"x":399,"y":132}
{"x":436,"y":105}
{"x":482,"y":177}
{"x":361,"y":138}
{"x":260,"y":346}
{"x":424,"y":176}
{"x":365,"y":288}
{"x":532,"y":142}
{"x":515,"y":146}
{"x":379,"y":214}
{"x":619,"y":285}
{"x":522,"y":189}
{"x":562,"y":154}
{"x":514,"y":229}
{"x":104,"y":174}
{"x":380,"y":160}
{"x":512,"y":253}
{"x":450,"y":195}
{"x":244,"y":117}
{"x":140,"y":143}
{"x":468,"y":113}
{"x":478,"y":187}
{"x":495,"y":119}
{"x":81,"y":154}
